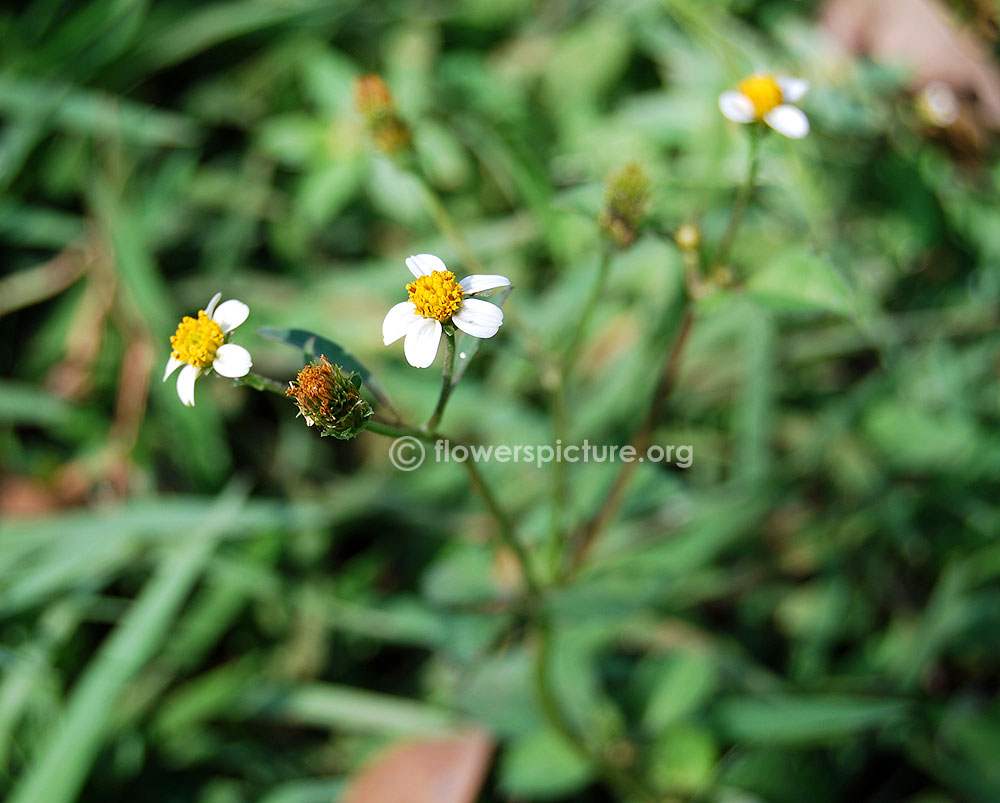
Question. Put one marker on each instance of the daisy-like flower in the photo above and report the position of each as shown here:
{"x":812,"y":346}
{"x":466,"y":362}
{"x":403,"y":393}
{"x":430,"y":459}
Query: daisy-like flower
{"x":764,"y":97}
{"x":200,"y":343}
{"x":436,"y":298}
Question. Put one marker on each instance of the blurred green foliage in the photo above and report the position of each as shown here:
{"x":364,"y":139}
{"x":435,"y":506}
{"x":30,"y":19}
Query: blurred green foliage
{"x":214,"y":605}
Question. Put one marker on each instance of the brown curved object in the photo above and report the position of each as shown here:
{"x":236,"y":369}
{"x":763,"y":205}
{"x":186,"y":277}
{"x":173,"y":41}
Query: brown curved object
{"x":432,"y":770}
{"x":923,"y":36}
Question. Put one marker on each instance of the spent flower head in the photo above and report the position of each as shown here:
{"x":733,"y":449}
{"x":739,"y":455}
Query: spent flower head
{"x":768,"y":98}
{"x":201,"y":343}
{"x":374,"y":100}
{"x":329,"y":399}
{"x":437,"y":300}
{"x":626,"y":197}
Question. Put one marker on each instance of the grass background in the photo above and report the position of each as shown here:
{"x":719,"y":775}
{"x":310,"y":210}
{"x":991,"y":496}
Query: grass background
{"x":214,"y":605}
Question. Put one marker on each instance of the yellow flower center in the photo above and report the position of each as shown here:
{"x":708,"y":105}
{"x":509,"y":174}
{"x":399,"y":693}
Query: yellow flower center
{"x":197,"y":340}
{"x":436,"y":296}
{"x":764,"y":93}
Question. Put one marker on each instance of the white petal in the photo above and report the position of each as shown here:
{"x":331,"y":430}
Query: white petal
{"x":788,"y":120}
{"x":398,"y":320}
{"x":792,"y":89}
{"x":478,"y":318}
{"x":230,"y":314}
{"x":232,"y":361}
{"x":210,"y":307}
{"x":172,"y":365}
{"x":481,"y":282}
{"x":424,"y":264}
{"x":185,"y":384}
{"x":737,"y":107}
{"x":421,"y":344}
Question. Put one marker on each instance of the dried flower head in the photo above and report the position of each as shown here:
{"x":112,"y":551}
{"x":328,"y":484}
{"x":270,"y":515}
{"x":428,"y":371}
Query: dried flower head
{"x":329,"y":399}
{"x":374,"y":100}
{"x":625,"y":199}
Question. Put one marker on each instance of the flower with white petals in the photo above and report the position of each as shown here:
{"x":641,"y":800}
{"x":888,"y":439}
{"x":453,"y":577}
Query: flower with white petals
{"x":437,"y":299}
{"x":200,"y":343}
{"x":764,"y":97}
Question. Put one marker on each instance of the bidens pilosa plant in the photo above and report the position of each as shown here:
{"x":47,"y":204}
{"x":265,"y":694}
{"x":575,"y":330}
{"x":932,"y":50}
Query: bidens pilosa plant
{"x":344,"y":400}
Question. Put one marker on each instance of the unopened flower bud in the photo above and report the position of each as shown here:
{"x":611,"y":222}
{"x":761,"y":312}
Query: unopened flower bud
{"x":938,"y":105}
{"x":374,"y":100}
{"x":329,"y":399}
{"x":625,"y":200}
{"x":688,"y":237}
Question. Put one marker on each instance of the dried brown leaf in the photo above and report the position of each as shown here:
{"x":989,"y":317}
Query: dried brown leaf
{"x":923,"y":36}
{"x":431,"y":770}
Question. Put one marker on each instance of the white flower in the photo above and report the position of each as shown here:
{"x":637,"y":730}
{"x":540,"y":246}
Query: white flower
{"x":763,"y":97}
{"x":200,"y":343}
{"x":437,"y":298}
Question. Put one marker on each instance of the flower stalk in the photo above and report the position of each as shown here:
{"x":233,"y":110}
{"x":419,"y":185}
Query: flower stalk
{"x":447,"y":386}
{"x":742,"y":199}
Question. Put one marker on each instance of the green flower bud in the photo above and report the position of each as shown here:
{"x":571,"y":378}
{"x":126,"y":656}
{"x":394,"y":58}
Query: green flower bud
{"x":625,"y":199}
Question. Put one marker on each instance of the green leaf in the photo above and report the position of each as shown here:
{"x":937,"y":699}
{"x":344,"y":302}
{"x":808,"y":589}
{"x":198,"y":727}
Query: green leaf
{"x":921,"y":440}
{"x":327,"y":705}
{"x":22,"y":404}
{"x":74,"y":740}
{"x":785,"y":719}
{"x":543,"y":765}
{"x":313,"y":345}
{"x":683,"y":759}
{"x":799,"y":281}
{"x":685,"y":680}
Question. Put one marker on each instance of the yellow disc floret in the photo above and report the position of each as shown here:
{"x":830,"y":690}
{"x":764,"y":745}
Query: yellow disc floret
{"x":197,"y":340}
{"x":436,"y":295}
{"x":763,"y":91}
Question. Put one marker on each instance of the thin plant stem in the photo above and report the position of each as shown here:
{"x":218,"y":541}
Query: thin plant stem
{"x":445,"y":224}
{"x":576,"y":338}
{"x":618,"y":780}
{"x":560,"y":418}
{"x":380,"y":427}
{"x":742,"y":199}
{"x":446,"y":381}
{"x":605,"y":513}
{"x":258,"y":382}
{"x":506,"y":530}
{"x":505,"y":526}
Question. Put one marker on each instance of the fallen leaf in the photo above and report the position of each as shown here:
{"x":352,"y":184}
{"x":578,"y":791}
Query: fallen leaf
{"x":431,"y":770}
{"x":924,"y":37}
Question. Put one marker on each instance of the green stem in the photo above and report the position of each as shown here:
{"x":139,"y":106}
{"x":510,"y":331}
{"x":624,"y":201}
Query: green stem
{"x":258,"y":382}
{"x":504,"y":524}
{"x":446,"y":384}
{"x":506,"y":529}
{"x":584,"y":539}
{"x":742,"y":200}
{"x":628,"y":786}
{"x":576,"y":338}
{"x":446,"y":225}
{"x":380,"y":427}
{"x":560,"y":418}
